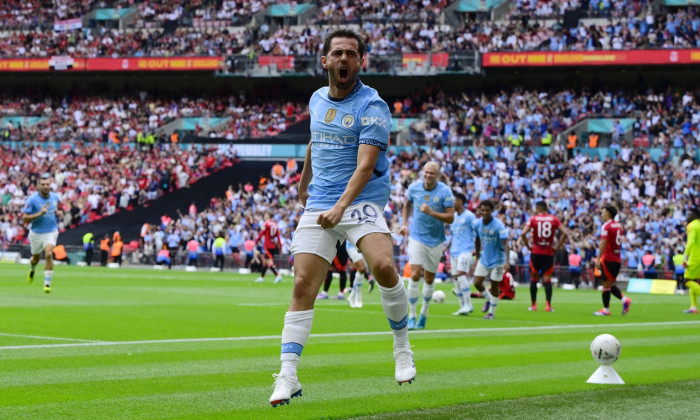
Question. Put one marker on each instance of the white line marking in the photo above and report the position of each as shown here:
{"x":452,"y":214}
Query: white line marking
{"x":347,"y":334}
{"x":49,"y":338}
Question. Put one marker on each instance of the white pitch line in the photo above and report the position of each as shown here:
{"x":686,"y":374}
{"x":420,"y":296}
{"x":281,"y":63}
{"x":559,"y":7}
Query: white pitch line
{"x":347,"y":334}
{"x":49,"y":338}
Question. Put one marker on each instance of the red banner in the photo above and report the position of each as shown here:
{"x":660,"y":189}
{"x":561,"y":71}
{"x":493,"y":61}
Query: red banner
{"x":590,"y":58}
{"x":441,"y":59}
{"x":153,"y":64}
{"x":117,"y":64}
{"x":282,"y":62}
{"x":436,"y":60}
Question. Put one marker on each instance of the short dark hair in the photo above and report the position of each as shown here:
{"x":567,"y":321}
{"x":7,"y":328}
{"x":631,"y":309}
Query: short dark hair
{"x":541,"y":204}
{"x":488,"y":203}
{"x":695,"y":210}
{"x":460,"y":196}
{"x":612,"y":210}
{"x":344,"y":33}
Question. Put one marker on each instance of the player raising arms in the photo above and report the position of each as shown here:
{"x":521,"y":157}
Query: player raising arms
{"x":491,"y":244}
{"x":432,"y":204}
{"x":462,"y":252}
{"x":344,"y":186}
{"x":609,"y":260}
{"x":41,"y":210}
{"x":271,"y":245}
{"x":544,"y":226}
{"x":691,"y":259}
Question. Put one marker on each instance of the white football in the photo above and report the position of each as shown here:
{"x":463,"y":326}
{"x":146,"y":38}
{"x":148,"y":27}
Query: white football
{"x":438,"y":296}
{"x":605,"y":349}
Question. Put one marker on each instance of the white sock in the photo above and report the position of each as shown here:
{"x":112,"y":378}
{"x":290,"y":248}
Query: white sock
{"x":396,"y":310}
{"x":413,"y":294}
{"x":357,"y":286}
{"x":48,"y":275}
{"x":463,"y":284}
{"x":297,"y":327}
{"x":487,"y":294}
{"x":428,"y":290}
{"x":494,"y":303}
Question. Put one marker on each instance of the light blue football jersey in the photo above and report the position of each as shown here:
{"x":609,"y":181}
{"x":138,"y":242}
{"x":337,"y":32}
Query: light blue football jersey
{"x":462,"y":230}
{"x":427,"y":229}
{"x":492,"y":252}
{"x":47,"y":221}
{"x":338,"y":127}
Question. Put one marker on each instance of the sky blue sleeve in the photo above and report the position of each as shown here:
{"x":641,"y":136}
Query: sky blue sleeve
{"x":503,"y":234}
{"x":449,"y":199}
{"x":29,"y":206}
{"x":410,"y":193}
{"x":375,"y":125}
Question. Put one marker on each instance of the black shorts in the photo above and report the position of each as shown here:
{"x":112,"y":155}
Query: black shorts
{"x":271,"y":252}
{"x":542,"y":264}
{"x":342,"y":254}
{"x":610,"y":270}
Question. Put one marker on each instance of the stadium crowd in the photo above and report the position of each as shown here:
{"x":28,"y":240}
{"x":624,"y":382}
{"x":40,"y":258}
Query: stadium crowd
{"x":390,"y":28}
{"x":662,"y":119}
{"x":652,"y":196}
{"x":123,"y":119}
{"x":669,"y":120}
{"x":93,"y":180}
{"x":28,"y":15}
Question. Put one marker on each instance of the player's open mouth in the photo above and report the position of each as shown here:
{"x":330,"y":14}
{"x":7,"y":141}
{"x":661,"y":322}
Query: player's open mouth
{"x":343,"y":72}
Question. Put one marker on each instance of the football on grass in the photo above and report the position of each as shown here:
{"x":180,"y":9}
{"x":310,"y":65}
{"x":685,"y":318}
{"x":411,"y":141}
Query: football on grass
{"x":438,"y":296}
{"x":605,"y":349}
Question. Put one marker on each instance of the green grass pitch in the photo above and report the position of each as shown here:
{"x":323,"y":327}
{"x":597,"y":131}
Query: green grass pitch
{"x":144,"y":344}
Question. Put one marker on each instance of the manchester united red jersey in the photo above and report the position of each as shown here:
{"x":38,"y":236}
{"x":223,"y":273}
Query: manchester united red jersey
{"x":612,"y":231}
{"x":543,"y":226}
{"x":271,"y":233}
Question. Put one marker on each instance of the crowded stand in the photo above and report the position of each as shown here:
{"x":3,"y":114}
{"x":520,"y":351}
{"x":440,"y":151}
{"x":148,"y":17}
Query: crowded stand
{"x":554,"y":9}
{"x":236,"y":217}
{"x":662,"y":119}
{"x":28,"y":15}
{"x":358,"y":12}
{"x":390,"y":28}
{"x":124,"y":119}
{"x":95,"y":181}
{"x":652,"y":195}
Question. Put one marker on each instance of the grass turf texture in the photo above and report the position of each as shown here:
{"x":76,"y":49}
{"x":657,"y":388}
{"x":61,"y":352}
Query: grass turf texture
{"x":135,"y":343}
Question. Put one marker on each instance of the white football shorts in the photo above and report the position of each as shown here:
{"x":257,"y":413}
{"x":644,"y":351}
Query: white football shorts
{"x":426,"y":256}
{"x":462,"y":263}
{"x":493,"y":274}
{"x":358,"y":220}
{"x":38,"y":241}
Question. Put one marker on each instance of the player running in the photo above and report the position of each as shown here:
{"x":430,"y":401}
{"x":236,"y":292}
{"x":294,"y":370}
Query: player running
{"x":41,"y":210}
{"x":271,"y":245}
{"x":431,"y":203}
{"x":691,"y":259}
{"x":491,"y":235}
{"x":462,"y":252}
{"x":544,"y":227}
{"x":609,"y":261}
{"x":344,"y":186}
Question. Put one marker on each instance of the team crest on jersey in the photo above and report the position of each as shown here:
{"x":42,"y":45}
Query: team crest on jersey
{"x":436,"y":199}
{"x":348,"y":121}
{"x":427,"y":197}
{"x":330,"y":115}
